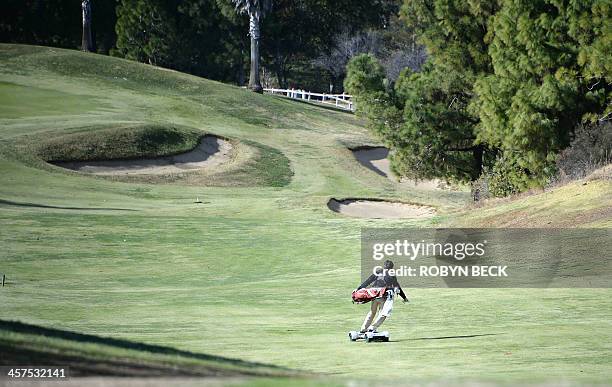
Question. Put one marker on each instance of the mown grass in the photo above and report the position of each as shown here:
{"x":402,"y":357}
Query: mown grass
{"x":41,"y":102}
{"x":90,"y":355}
{"x":261,"y":273}
{"x":119,"y":142}
{"x":270,"y":168}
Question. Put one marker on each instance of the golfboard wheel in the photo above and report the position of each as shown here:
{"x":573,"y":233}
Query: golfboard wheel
{"x":377,"y":336}
{"x":353,"y":336}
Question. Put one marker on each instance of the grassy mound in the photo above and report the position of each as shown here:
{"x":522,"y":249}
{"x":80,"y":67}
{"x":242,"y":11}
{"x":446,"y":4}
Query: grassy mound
{"x":270,"y":168}
{"x":120,"y":142}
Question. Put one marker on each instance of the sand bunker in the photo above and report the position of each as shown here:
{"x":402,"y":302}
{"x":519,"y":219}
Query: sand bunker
{"x":211,"y":152}
{"x":375,"y":159}
{"x":379,"y":209}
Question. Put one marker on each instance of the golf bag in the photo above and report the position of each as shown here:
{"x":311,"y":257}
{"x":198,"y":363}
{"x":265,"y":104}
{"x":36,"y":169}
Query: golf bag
{"x":366,"y":295}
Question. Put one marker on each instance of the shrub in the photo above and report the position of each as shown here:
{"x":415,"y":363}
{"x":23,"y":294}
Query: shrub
{"x":505,"y":177}
{"x":590,"y":148}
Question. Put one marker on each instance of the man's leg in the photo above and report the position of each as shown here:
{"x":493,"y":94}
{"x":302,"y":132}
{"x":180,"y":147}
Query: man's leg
{"x":370,"y":316}
{"x":377,"y":323}
{"x":385,"y":312}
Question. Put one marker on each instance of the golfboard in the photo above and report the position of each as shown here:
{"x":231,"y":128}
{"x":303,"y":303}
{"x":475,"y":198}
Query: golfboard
{"x":369,"y":336}
{"x":363,"y":296}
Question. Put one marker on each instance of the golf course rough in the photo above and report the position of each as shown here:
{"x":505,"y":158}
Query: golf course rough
{"x":261,"y":270}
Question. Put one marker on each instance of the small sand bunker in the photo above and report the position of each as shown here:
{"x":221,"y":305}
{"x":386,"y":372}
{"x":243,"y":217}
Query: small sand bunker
{"x":376,"y":160}
{"x":379,"y":209}
{"x":211,"y":152}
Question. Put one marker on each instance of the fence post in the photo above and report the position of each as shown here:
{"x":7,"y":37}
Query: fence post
{"x":3,"y":279}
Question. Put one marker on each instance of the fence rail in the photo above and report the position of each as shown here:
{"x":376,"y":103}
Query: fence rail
{"x":341,"y":101}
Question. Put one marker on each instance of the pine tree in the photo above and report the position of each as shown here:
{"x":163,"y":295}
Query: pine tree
{"x":552,"y":69}
{"x":146,"y":32}
{"x":429,"y":121}
{"x":506,"y":84}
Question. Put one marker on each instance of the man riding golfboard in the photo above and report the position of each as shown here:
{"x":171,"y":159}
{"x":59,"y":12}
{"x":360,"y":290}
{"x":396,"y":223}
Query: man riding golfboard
{"x":382,"y":305}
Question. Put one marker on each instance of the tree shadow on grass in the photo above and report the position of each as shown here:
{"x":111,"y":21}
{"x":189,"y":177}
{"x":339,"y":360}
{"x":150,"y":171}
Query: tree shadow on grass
{"x":20,"y":204}
{"x":365,"y":155}
{"x":19,"y":327}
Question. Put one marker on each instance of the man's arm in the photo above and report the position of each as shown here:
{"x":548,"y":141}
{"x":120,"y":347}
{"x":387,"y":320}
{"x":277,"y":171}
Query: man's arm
{"x":368,"y":281}
{"x":401,"y":291}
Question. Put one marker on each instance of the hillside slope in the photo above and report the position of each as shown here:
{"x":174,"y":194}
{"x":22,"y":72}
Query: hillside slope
{"x":256,"y":271}
{"x":90,"y":355}
{"x":583,"y":203}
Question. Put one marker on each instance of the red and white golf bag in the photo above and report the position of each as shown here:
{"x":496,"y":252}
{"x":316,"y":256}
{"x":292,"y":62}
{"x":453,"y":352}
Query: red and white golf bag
{"x":366,"y":295}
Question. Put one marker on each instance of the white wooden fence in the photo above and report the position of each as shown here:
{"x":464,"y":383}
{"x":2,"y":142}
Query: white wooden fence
{"x":341,"y":101}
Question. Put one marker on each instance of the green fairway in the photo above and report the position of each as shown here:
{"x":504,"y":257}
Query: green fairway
{"x":261,"y":270}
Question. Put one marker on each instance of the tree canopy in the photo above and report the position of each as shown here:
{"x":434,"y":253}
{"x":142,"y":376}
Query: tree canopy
{"x":505,"y":85}
{"x":202,"y":37}
{"x":550,"y":73}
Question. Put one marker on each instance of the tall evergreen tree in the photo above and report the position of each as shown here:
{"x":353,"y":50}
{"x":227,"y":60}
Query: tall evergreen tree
{"x":146,"y":32}
{"x":52,"y":23}
{"x":552,"y":68}
{"x":433,"y":135}
{"x":506,"y":83}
